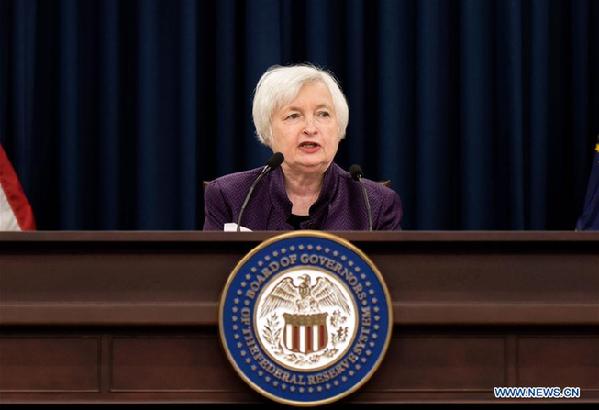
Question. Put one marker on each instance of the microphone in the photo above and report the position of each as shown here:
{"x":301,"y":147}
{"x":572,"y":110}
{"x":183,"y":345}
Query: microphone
{"x":273,"y":163}
{"x":356,"y":173}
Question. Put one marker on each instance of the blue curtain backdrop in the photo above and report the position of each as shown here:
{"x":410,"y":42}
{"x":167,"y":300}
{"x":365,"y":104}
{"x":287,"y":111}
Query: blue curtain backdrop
{"x":482,"y":113}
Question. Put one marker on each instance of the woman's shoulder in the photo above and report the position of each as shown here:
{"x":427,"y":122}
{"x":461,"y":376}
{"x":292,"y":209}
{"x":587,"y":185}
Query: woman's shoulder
{"x":387,"y":210}
{"x":377,"y":189}
{"x":234,"y":181}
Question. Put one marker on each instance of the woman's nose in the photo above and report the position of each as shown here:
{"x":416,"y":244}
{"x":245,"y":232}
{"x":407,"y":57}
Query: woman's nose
{"x":310,"y":127}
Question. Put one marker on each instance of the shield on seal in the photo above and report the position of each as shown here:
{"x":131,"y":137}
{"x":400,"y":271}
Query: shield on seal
{"x":305,"y":333}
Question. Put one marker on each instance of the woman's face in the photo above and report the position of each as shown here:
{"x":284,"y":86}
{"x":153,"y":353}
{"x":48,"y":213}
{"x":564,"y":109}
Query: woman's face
{"x":306,"y":130}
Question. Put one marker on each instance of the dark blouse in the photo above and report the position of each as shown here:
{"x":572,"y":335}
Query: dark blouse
{"x":296,"y":220}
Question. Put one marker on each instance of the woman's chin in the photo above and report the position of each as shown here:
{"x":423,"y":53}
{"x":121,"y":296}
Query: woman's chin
{"x":312,"y":166}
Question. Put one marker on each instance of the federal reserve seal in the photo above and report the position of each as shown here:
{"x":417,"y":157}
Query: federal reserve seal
{"x":305,"y":318}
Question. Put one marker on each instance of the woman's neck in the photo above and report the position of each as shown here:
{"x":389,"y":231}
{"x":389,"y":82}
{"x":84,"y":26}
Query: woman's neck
{"x":302,"y":189}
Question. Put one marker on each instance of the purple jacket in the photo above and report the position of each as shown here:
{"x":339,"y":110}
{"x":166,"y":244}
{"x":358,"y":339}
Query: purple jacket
{"x":340,"y":206}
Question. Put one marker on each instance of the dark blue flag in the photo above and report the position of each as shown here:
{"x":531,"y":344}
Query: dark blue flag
{"x":589,"y":220}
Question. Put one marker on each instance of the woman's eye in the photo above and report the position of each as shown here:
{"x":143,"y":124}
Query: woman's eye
{"x":292,"y":116}
{"x":323,"y":114}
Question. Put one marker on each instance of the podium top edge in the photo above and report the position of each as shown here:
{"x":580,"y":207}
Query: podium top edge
{"x":359,"y":236}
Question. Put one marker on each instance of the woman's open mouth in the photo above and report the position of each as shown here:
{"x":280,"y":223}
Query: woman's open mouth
{"x":309,"y":146}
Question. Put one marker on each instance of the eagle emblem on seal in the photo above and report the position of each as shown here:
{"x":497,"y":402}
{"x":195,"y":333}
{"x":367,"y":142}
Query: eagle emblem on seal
{"x":305,"y":325}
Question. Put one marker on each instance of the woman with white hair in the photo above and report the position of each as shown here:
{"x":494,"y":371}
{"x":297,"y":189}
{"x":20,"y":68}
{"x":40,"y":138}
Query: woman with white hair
{"x":301,"y":112}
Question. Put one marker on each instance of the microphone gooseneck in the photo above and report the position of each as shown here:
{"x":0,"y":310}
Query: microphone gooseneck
{"x":356,"y":173}
{"x":273,"y":163}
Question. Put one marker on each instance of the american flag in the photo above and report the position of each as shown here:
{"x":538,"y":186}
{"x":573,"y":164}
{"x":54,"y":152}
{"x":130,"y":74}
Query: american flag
{"x":15,"y":211}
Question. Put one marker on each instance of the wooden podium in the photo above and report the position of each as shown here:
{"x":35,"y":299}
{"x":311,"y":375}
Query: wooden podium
{"x":131,"y":317}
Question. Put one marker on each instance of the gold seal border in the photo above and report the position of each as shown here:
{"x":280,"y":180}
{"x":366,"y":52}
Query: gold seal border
{"x":267,"y":243}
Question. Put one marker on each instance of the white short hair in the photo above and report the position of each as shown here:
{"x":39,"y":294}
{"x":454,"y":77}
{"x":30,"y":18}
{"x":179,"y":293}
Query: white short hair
{"x":279,"y":85}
